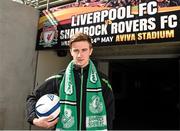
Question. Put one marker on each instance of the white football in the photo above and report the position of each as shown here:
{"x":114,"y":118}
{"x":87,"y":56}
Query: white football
{"x":48,"y":104}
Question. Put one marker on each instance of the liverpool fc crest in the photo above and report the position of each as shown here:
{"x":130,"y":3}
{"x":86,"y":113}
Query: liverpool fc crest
{"x":49,"y":35}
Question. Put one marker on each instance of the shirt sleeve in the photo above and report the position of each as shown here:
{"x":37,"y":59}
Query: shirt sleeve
{"x":109,"y":101}
{"x":50,"y":86}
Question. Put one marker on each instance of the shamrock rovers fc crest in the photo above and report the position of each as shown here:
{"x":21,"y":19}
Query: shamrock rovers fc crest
{"x":96,"y":106}
{"x":49,"y":35}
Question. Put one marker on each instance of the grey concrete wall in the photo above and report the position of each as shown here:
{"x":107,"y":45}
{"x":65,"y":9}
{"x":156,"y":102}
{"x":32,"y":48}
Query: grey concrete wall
{"x":50,"y":64}
{"x":18,"y":27}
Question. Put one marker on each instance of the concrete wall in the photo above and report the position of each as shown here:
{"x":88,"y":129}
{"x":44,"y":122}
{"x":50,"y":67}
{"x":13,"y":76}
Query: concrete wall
{"x":18,"y":27}
{"x":49,"y":64}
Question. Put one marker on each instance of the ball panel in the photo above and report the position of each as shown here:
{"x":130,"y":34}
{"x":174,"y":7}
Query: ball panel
{"x":48,"y":104}
{"x":55,"y":114}
{"x":46,"y":112}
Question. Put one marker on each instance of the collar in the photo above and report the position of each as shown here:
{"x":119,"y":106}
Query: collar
{"x":78,"y":68}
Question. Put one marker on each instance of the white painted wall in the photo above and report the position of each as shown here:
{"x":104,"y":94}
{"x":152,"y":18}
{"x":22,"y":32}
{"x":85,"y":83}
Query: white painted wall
{"x":18,"y":27}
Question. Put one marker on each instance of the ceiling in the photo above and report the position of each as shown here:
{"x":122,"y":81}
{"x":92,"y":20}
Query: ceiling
{"x":43,"y":4}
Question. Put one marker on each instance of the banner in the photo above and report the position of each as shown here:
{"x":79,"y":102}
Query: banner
{"x":115,"y":22}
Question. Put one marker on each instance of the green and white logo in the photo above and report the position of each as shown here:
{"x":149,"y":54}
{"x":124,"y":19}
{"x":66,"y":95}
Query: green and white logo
{"x":93,"y":77}
{"x":95,"y":106}
{"x":67,"y":119}
{"x":69,"y":89}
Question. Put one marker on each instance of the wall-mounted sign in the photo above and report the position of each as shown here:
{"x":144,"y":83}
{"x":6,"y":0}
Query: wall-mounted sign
{"x":110,"y":23}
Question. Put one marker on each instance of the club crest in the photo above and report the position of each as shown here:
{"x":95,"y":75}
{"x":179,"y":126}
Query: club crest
{"x":69,"y":88}
{"x":67,"y":119}
{"x":49,"y":35}
{"x":95,"y":106}
{"x":93,"y":77}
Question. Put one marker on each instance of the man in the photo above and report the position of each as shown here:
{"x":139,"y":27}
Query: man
{"x":86,"y":96}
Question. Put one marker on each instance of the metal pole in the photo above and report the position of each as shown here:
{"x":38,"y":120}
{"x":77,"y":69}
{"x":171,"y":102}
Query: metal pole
{"x":47,"y":7}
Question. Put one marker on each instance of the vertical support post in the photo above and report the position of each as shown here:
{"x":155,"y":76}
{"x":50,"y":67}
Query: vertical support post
{"x":47,"y":6}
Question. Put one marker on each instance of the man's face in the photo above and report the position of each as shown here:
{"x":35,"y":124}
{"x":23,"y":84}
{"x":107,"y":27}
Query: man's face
{"x":81,"y":52}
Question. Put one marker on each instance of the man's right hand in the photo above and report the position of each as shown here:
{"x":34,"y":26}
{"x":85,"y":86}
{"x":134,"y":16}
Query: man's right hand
{"x":44,"y":122}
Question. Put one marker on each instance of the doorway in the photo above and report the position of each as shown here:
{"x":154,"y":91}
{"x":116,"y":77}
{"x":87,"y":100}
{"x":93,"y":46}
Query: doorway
{"x":146,"y":93}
